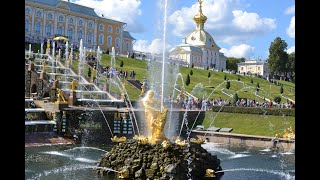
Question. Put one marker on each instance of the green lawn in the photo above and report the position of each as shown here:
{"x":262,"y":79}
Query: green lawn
{"x":251,"y":124}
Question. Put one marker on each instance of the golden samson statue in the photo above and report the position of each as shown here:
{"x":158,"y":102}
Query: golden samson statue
{"x":155,"y":118}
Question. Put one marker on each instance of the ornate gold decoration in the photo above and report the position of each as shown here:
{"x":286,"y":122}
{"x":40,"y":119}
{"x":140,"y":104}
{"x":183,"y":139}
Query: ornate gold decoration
{"x":48,"y":44}
{"x":141,"y":139}
{"x":197,"y":141}
{"x":142,"y":90}
{"x":288,"y":133}
{"x":199,"y":18}
{"x":74,"y":85}
{"x":210,"y":173}
{"x":165,"y":144}
{"x":155,"y":118}
{"x":118,"y":139}
{"x":60,"y":97}
{"x":123,"y":174}
{"x":181,"y":143}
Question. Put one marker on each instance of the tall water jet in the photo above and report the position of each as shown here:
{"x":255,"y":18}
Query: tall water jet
{"x":113,"y":58}
{"x":53,"y":50}
{"x":164,"y":50}
{"x":29,"y":50}
{"x":41,"y":50}
{"x":71,"y":55}
{"x":98,"y":61}
{"x":67,"y":53}
{"x":80,"y":65}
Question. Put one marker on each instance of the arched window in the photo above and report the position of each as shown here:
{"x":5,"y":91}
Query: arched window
{"x":70,"y":33}
{"x":80,"y":23}
{"x":49,"y":29}
{"x":109,"y":28}
{"x":80,"y":35}
{"x":109,"y":41}
{"x":117,"y":42}
{"x":90,"y":25}
{"x":27,"y":25}
{"x":127,"y":46}
{"x":90,"y":37}
{"x":38,"y":14}
{"x":118,"y":30}
{"x":101,"y":27}
{"x":50,"y":16}
{"x":71,"y":20}
{"x":101,"y":39}
{"x":61,"y":30}
{"x":28,"y":11}
{"x":38,"y":27}
{"x":60,"y":18}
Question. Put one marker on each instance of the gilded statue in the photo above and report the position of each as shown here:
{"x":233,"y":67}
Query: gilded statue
{"x":155,"y":118}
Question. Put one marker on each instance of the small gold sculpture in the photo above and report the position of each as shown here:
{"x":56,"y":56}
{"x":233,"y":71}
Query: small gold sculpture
{"x":180,"y":143}
{"x":155,"y":118}
{"x":288,"y":133}
{"x":165,"y":144}
{"x":118,"y":139}
{"x":197,"y":141}
{"x":142,"y":90}
{"x":123,"y":174}
{"x":74,"y":85}
{"x":210,"y":173}
{"x":141,"y":139}
{"x":60,"y":97}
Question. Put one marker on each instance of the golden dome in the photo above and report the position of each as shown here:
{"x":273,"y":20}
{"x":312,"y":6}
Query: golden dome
{"x":199,"y":18}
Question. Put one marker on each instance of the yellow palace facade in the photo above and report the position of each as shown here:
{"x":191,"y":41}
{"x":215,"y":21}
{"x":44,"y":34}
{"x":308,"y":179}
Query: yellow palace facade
{"x":46,"y":19}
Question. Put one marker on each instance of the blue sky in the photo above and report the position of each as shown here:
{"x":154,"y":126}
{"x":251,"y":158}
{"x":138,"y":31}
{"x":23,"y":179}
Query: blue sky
{"x":241,"y":28}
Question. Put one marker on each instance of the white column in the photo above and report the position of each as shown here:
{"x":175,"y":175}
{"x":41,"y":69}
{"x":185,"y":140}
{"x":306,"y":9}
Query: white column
{"x":66,"y":29}
{"x":44,"y":24}
{"x":32,"y":21}
{"x":55,"y":24}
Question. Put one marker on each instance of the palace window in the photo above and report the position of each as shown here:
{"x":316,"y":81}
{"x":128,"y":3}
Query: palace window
{"x":127,"y":46}
{"x":49,"y":29}
{"x":110,"y":29}
{"x":117,"y":42}
{"x":38,"y":14}
{"x":101,"y":27}
{"x":61,"y":30}
{"x":70,"y":33}
{"x":258,"y":68}
{"x":50,"y":16}
{"x":109,"y":40}
{"x":27,"y":25}
{"x":80,"y":23}
{"x":90,"y":25}
{"x":80,"y":35}
{"x":38,"y":27}
{"x":118,"y":30}
{"x":71,"y":20}
{"x":241,"y":68}
{"x":60,"y":18}
{"x":27,"y":11}
{"x":90,"y":37}
{"x":101,"y":39}
{"x":116,"y":126}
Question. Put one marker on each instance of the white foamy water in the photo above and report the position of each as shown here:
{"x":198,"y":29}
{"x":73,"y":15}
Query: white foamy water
{"x":239,"y":156}
{"x":266,"y":150}
{"x":287,"y":153}
{"x":85,"y":160}
{"x":94,"y":148}
{"x":212,"y":147}
{"x":57,"y":153}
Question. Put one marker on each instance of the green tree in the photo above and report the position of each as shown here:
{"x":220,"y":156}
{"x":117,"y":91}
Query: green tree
{"x":281,"y":89}
{"x":278,"y":57}
{"x":89,"y":72}
{"x":209,"y":74}
{"x":231,"y":63}
{"x":251,"y":80}
{"x":192,"y":65}
{"x":234,"y":98}
{"x":121,"y":63}
{"x":238,"y":79}
{"x":291,"y":66}
{"x":228,"y":84}
{"x":191,"y":72}
{"x":225,"y":77}
{"x":277,"y":99}
{"x":258,"y":86}
{"x":188,"y":80}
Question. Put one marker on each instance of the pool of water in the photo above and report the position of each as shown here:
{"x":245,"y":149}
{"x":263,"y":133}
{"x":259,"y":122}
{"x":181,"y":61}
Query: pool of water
{"x":79,"y":162}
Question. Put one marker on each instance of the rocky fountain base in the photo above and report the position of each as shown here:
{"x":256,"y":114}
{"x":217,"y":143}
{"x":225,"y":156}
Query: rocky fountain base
{"x":135,"y":160}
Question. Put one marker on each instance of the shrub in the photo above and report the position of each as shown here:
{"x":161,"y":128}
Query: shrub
{"x":251,"y":80}
{"x":188,"y":80}
{"x":281,"y":89}
{"x":121,"y":63}
{"x":222,"y":70}
{"x":277,"y":99}
{"x":207,"y":67}
{"x":238,"y":79}
{"x":258,"y":86}
{"x":235,"y":98}
{"x":89,"y":72}
{"x":192,"y":65}
{"x":228,"y":84}
{"x":191,"y":72}
{"x":225,"y":77}
{"x":209,"y":74}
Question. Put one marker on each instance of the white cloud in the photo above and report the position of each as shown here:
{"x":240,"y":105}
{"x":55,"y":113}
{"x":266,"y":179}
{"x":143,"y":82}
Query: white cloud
{"x":226,"y":21}
{"x":290,"y":10}
{"x":155,"y":47}
{"x":239,"y":51}
{"x":291,"y":49}
{"x":125,"y":11}
{"x":291,"y":29}
{"x":252,"y":22}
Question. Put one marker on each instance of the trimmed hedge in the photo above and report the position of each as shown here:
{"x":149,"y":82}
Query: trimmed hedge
{"x":255,"y":110}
